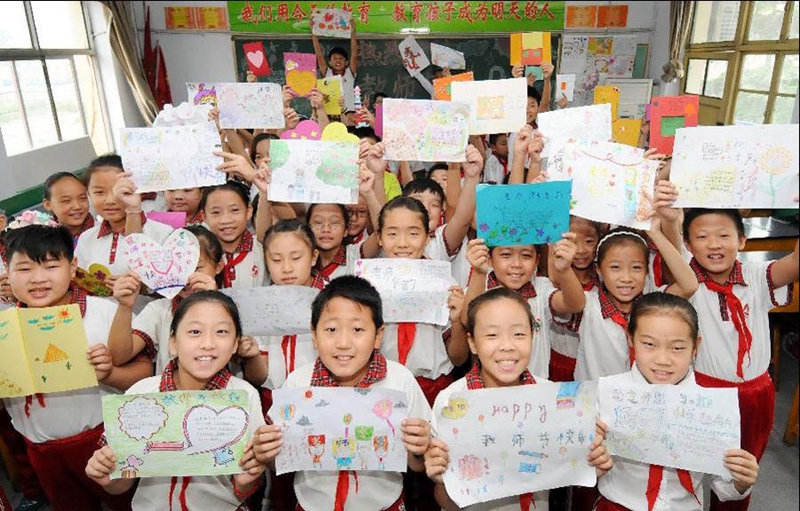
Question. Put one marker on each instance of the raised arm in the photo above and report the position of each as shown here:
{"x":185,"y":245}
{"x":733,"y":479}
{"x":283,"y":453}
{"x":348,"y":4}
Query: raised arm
{"x":521,"y":143}
{"x":453,"y":192}
{"x":685,"y":283}
{"x":785,"y":270}
{"x":322,"y":64}
{"x":547,"y":72}
{"x":570,"y":298}
{"x":478,"y":257}
{"x":458,"y":226}
{"x":353,"y":50}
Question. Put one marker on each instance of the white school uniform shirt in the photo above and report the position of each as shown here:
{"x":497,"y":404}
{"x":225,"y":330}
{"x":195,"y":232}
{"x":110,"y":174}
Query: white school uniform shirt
{"x":345,"y":261}
{"x":250,"y":271}
{"x":348,"y":83}
{"x":436,"y":249}
{"x":460,"y":267}
{"x":717,"y":354}
{"x":203,"y":492}
{"x":152,"y":325}
{"x":541,"y":498}
{"x":626,"y":482}
{"x":376,"y":490}
{"x":493,"y":170}
{"x":92,"y":248}
{"x":564,"y":339}
{"x":428,"y":354}
{"x":414,"y":166}
{"x":304,"y":354}
{"x":67,"y":414}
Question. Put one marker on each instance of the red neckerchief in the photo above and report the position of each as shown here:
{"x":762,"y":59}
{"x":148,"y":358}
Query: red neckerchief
{"x":658,"y":264}
{"x":594,"y":279}
{"x":527,"y":291}
{"x":728,"y":301}
{"x":322,"y":377}
{"x":105,"y":230}
{"x":503,"y":162}
{"x":654,"y":484}
{"x":236,"y":257}
{"x":609,"y":309}
{"x":358,"y":239}
{"x":474,"y":381}
{"x":339,"y":259}
{"x":196,"y":219}
{"x":289,"y":342}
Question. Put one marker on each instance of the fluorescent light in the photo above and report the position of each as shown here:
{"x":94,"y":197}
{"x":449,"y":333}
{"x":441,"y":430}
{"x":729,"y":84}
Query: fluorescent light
{"x":415,"y":30}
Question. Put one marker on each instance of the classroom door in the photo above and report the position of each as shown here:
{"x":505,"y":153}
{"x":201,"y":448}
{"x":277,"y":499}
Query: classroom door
{"x":709,"y":75}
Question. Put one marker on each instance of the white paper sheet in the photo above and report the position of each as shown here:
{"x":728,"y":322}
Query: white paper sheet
{"x":250,"y":105}
{"x":444,"y":56}
{"x":274,"y":310}
{"x":565,"y":86}
{"x":331,"y":23}
{"x":590,"y":122}
{"x":422,"y":130}
{"x":496,"y":106}
{"x":413,"y":56}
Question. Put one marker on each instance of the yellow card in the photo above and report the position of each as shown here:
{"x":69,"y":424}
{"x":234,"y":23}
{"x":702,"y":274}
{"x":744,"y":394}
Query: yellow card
{"x":547,"y":48}
{"x":516,"y":50}
{"x":331,"y":89}
{"x":607,"y":94}
{"x":626,"y":131}
{"x":15,"y":377}
{"x":532,"y":40}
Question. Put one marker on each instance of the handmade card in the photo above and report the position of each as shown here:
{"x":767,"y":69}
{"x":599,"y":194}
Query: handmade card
{"x":565,"y":86}
{"x":626,"y":131}
{"x":182,"y":433}
{"x":171,"y":158}
{"x":536,"y":48}
{"x":331,"y":23}
{"x":736,"y":167}
{"x":496,"y":106}
{"x":609,"y":181}
{"x":44,"y":351}
{"x":443,"y":56}
{"x":314,"y":171}
{"x":608,"y":94}
{"x":185,"y":114}
{"x":202,"y":93}
{"x":536,"y":71}
{"x":305,"y":130}
{"x":592,"y":122}
{"x":523,"y":214}
{"x":174,"y":219}
{"x":667,"y":115}
{"x":423,"y":130}
{"x":442,"y":86}
{"x":274,"y":310}
{"x":340,"y":428}
{"x":413,"y":56}
{"x":514,"y":440}
{"x":163,"y":268}
{"x":680,"y":426}
{"x":250,"y":105}
{"x":256,"y":58}
{"x":301,"y":72}
{"x":95,"y":280}
{"x":331,"y":89}
{"x":412,"y":290}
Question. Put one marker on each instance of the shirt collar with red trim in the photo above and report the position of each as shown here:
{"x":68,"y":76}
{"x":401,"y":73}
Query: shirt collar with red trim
{"x":78,"y":296}
{"x":197,"y":218}
{"x":607,"y":306}
{"x":340,"y":259}
{"x":594,"y":279}
{"x":317,"y":280}
{"x":105,"y":227}
{"x":246,"y":245}
{"x":217,"y":382}
{"x":736,"y":277}
{"x":376,"y":371}
{"x":527,"y":291}
{"x":474,"y":380}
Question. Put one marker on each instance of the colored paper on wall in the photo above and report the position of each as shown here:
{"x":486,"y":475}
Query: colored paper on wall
{"x":581,"y":16}
{"x":174,"y":219}
{"x":331,"y":23}
{"x":180,"y":18}
{"x":442,"y":89}
{"x":413,"y":56}
{"x":251,"y":105}
{"x":444,"y":56}
{"x":565,"y":86}
{"x":331,"y":89}
{"x":163,"y":268}
{"x":626,"y":131}
{"x":301,"y":72}
{"x":256,"y":58}
{"x":274,"y":310}
{"x":608,"y":94}
{"x":211,"y":18}
{"x":612,"y":16}
{"x":496,"y":106}
{"x":674,"y":108}
{"x":423,"y":130}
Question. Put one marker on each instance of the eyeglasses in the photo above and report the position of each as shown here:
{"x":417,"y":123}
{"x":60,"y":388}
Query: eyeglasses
{"x":333,"y":224}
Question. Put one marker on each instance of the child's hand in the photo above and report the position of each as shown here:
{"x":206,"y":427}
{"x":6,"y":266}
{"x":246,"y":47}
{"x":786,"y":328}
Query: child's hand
{"x":201,"y":282}
{"x":251,"y":466}
{"x":248,"y":347}
{"x":100,"y":466}
{"x":563,"y":102}
{"x":517,"y":71}
{"x":292,"y":118}
{"x":366,"y":179}
{"x":236,"y":164}
{"x":416,"y":435}
{"x":437,"y":458}
{"x":598,"y":454}
{"x":563,"y":252}
{"x":125,"y":192}
{"x":474,"y":164}
{"x":374,"y":158}
{"x":446,"y":72}
{"x":267,"y":443}
{"x":126,"y":289}
{"x":99,"y":356}
{"x":664,"y":199}
{"x":522,"y":141}
{"x":263,"y":176}
{"x":478,"y":256}
{"x":288,"y":96}
{"x":364,"y":115}
{"x":316,"y":98}
{"x":455,"y":302}
{"x":547,"y":70}
{"x":5,"y":286}
{"x":743,"y":467}
{"x":535,"y":148}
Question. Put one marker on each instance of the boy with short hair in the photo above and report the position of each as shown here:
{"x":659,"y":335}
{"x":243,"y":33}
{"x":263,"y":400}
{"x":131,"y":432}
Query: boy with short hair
{"x":496,"y":167}
{"x":339,"y":63}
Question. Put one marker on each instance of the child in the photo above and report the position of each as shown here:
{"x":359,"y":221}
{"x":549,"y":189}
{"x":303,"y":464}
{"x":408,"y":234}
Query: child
{"x":733,"y":303}
{"x":358,"y":221}
{"x":330,"y":222}
{"x":62,"y":429}
{"x":531,"y":113}
{"x":340,"y":64}
{"x":663,"y":333}
{"x":204,"y":334}
{"x":347,"y":328}
{"x":114,"y":198}
{"x":500,"y":328}
{"x":65,"y":197}
{"x":438,"y":173}
{"x":227,"y":211}
{"x":187,"y":201}
{"x":514,"y":267}
{"x":496,"y":167}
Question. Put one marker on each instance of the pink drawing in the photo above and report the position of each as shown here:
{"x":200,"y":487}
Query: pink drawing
{"x":305,"y":130}
{"x":470,"y":467}
{"x":383,"y":409}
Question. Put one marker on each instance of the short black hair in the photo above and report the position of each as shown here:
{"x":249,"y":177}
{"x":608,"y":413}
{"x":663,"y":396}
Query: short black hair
{"x":338,"y":50}
{"x":409,"y":203}
{"x":621,"y":236}
{"x":207,"y":297}
{"x":230,"y":186}
{"x":534,"y":93}
{"x":378,"y":95}
{"x":366,"y":132}
{"x":494,"y":136}
{"x":51,"y":181}
{"x":424,"y":185}
{"x":291,"y":225}
{"x":434,"y":168}
{"x":107,"y":160}
{"x":256,"y":140}
{"x":658,"y":303}
{"x":40,"y":242}
{"x":692,"y":214}
{"x":349,"y":287}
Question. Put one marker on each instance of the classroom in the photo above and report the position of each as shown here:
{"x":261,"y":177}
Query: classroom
{"x":211,"y":209}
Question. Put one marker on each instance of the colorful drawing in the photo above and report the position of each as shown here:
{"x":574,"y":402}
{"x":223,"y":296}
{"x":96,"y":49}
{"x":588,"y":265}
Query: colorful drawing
{"x":593,"y":59}
{"x":612,"y":16}
{"x":668,"y":114}
{"x":331,"y":23}
{"x":736,"y":167}
{"x":284,"y":310}
{"x":164,"y":269}
{"x":581,"y":16}
{"x":184,"y":433}
{"x":535,"y":48}
{"x":305,"y":130}
{"x":412,"y":290}
{"x":171,"y":158}
{"x":515,"y":432}
{"x":626,"y":131}
{"x":331,"y":89}
{"x":608,"y":94}
{"x":565,"y":87}
{"x":301,"y":72}
{"x":442,"y":86}
{"x":422,"y":130}
{"x":202,"y":93}
{"x":251,"y":105}
{"x":314,"y":171}
{"x":591,"y":122}
{"x":94,"y":280}
{"x":496,"y":106}
{"x":365,"y":439}
{"x":44,"y":351}
{"x":523,"y":214}
{"x":413,"y":56}
{"x":443,"y":56}
{"x":256,"y":58}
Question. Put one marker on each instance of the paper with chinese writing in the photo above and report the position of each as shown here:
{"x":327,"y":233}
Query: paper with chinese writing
{"x":736,"y":166}
{"x":274,"y":310}
{"x":609,"y":181}
{"x":301,"y":72}
{"x":182,"y":433}
{"x":591,"y":122}
{"x":423,"y":130}
{"x":444,"y":56}
{"x":442,"y":86}
{"x":505,"y":442}
{"x":340,"y":428}
{"x":412,"y":290}
{"x":331,"y":23}
{"x":250,"y":105}
{"x":171,"y":158}
{"x":314,"y":171}
{"x":44,"y":351}
{"x":331,"y":89}
{"x":202,"y":93}
{"x":496,"y":106}
{"x":565,"y":87}
{"x":163,"y":268}
{"x":679,"y":426}
{"x":523,"y":214}
{"x":413,"y":56}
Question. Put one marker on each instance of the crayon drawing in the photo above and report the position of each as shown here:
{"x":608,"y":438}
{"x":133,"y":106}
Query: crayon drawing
{"x":202,"y":93}
{"x":421,"y":130}
{"x":331,"y":23}
{"x":590,"y":122}
{"x":250,"y":105}
{"x":496,"y":106}
{"x":94,"y":280}
{"x":165,"y":269}
{"x":301,"y":72}
{"x":444,"y":56}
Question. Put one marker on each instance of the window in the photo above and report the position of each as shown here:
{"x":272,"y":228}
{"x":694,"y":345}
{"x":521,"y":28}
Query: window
{"x":706,"y":77}
{"x":49,"y":91}
{"x":715,"y":22}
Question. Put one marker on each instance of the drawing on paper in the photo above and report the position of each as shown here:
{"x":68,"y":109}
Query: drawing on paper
{"x":442,"y":86}
{"x":165,"y":269}
{"x":413,"y":56}
{"x":444,"y":56}
{"x":301,"y":72}
{"x":274,"y":310}
{"x":496,"y":106}
{"x":421,"y":130}
{"x":202,"y":93}
{"x":331,"y":23}
{"x":590,"y":122}
{"x":331,"y":90}
{"x":594,"y":59}
{"x":667,"y":115}
{"x":250,"y":105}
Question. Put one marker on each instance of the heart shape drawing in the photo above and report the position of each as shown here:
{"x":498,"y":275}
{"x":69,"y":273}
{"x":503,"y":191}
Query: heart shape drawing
{"x":301,"y":82}
{"x":337,"y":132}
{"x":255,"y":57}
{"x":305,"y":130}
{"x":208,"y":430}
{"x":164,"y":268}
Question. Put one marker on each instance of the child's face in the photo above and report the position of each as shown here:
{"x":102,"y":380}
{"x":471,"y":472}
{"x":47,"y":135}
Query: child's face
{"x":101,"y":194}
{"x":208,"y":267}
{"x":500,"y":147}
{"x":623,"y":270}
{"x":227,"y":215}
{"x":514,"y":266}
{"x":204,"y":341}
{"x":440,"y":176}
{"x":532,"y":111}
{"x":262,"y":152}
{"x":715,"y":243}
{"x":586,"y":243}
{"x":359,"y":217}
{"x":349,"y":118}
{"x":327,"y":222}
{"x":503,"y":341}
{"x":404,"y":235}
{"x":433,"y":203}
{"x":338,"y":63}
{"x":69,"y":202}
{"x":186,"y":200}
{"x":345,"y":338}
{"x":40,"y":284}
{"x":664,"y":348}
{"x":379,"y":101}
{"x":289,"y":259}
